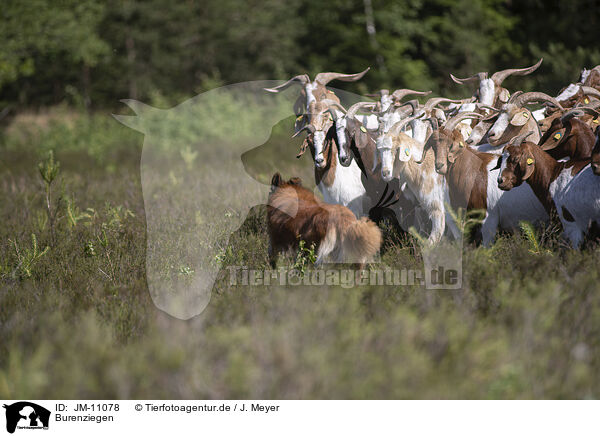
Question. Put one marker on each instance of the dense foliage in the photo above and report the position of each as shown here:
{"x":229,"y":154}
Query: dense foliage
{"x":95,"y":52}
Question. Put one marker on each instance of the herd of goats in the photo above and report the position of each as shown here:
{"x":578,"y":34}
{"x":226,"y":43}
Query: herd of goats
{"x":489,"y":152}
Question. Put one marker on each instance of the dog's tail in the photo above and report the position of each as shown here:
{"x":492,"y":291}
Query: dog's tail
{"x":362,"y":240}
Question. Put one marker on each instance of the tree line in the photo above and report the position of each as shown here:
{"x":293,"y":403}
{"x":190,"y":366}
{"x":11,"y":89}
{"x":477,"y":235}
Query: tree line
{"x":94,"y":52}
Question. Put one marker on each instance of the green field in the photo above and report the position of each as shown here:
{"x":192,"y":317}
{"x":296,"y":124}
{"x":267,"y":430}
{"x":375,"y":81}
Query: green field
{"x":77,"y":320}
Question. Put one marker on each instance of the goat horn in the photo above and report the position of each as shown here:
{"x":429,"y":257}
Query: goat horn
{"x":351,"y":113}
{"x":578,"y":112}
{"x":453,"y":122}
{"x":302,"y":78}
{"x":397,"y":127}
{"x":309,"y":127}
{"x":531,"y":97}
{"x":518,"y":140}
{"x":399,"y":94}
{"x":414,"y":104}
{"x":588,"y":90}
{"x":489,"y":108}
{"x":479,"y":76}
{"x":432,"y":102}
{"x":514,"y":96}
{"x":499,"y":77}
{"x":325,"y":78}
{"x":379,"y":94}
{"x":336,"y":106}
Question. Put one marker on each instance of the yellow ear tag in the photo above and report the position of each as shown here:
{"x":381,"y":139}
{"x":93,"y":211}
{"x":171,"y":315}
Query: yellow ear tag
{"x":529,"y":161}
{"x":363,"y":129}
{"x":596,"y":121}
{"x":299,"y":117}
{"x":526,"y":114}
{"x":407,"y":151}
{"x":557,"y":136}
{"x":586,"y":100}
{"x":461,"y":144}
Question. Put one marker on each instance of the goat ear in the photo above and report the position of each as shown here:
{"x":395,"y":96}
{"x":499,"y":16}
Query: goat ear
{"x":361,"y":138}
{"x":300,"y":122}
{"x":404,"y":152}
{"x":520,"y":118}
{"x":277,"y":180}
{"x":504,"y":95}
{"x":529,"y":162}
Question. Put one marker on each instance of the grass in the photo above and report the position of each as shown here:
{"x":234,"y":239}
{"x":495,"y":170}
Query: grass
{"x":79,"y":321}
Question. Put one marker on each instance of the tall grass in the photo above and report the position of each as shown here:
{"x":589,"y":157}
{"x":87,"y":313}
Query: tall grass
{"x":81,"y":324}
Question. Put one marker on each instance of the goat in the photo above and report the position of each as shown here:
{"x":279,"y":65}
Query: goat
{"x":470,"y":177}
{"x":513,"y":119}
{"x":490,"y":91}
{"x":570,"y":137}
{"x":313,"y":91}
{"x":387,"y":100}
{"x":338,"y":184}
{"x":398,"y":153}
{"x":575,"y":197}
{"x":572,"y":96}
{"x":359,"y":143}
{"x":294,"y":213}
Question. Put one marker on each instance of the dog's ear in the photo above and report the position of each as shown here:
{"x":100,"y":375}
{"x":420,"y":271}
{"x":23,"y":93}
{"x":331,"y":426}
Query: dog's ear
{"x":297,"y":181}
{"x":277,"y":180}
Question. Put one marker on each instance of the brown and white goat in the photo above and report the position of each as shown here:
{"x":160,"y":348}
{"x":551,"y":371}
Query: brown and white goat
{"x":574,"y":195}
{"x":339,"y":184}
{"x":490,"y":91}
{"x":515,"y":119}
{"x":570,"y":137}
{"x":294,"y":213}
{"x":358,"y":142}
{"x":471,"y":179}
{"x":314,"y":91}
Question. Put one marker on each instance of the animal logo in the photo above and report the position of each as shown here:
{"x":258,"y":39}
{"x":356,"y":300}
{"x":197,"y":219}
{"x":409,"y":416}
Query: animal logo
{"x":26,"y":415}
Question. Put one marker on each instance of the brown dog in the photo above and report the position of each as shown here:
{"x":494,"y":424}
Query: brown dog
{"x":294,"y":214}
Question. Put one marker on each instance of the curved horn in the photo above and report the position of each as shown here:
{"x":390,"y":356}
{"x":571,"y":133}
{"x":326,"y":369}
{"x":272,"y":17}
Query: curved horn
{"x":588,"y":90}
{"x":309,"y":127}
{"x":453,"y":122}
{"x":518,"y":140}
{"x":578,"y":112}
{"x":325,"y":78}
{"x":379,"y":94}
{"x":531,"y":97}
{"x":302,"y":78}
{"x":337,"y":106}
{"x":499,"y":77}
{"x":479,"y":76}
{"x":432,"y":102}
{"x":514,"y":96}
{"x":414,"y":104}
{"x":397,"y":127}
{"x":490,"y":108}
{"x":399,"y":94}
{"x":351,"y":113}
